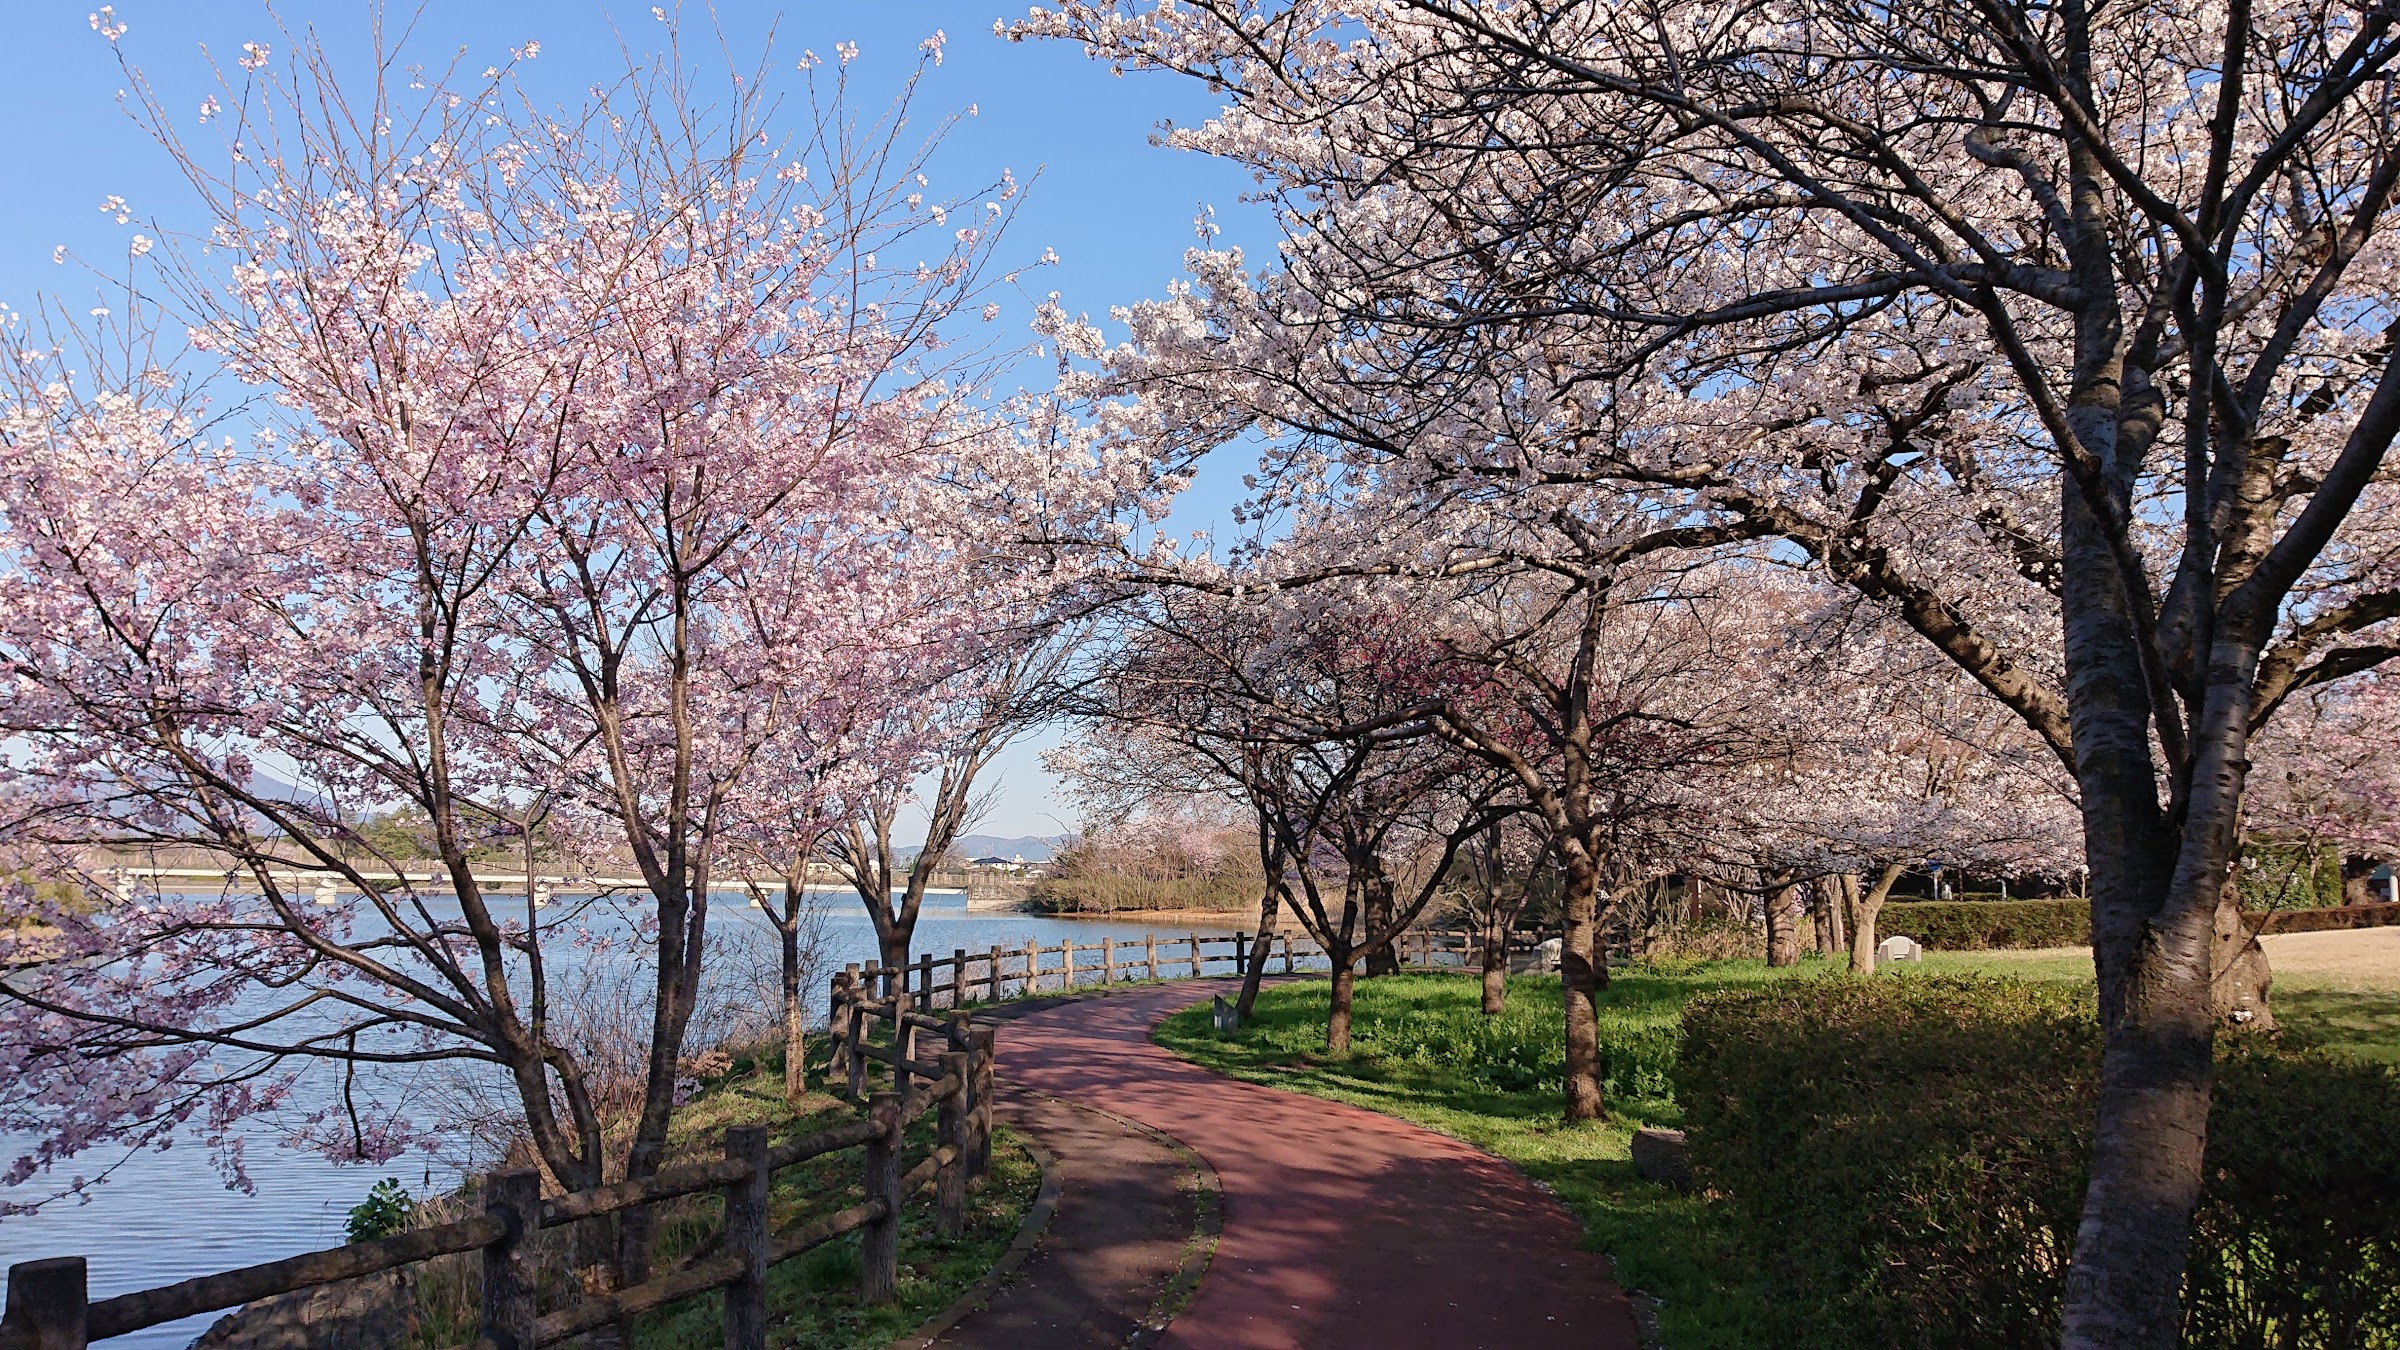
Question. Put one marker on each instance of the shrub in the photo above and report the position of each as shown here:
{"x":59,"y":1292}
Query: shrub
{"x":2327,"y":920}
{"x":1898,"y":1181}
{"x":1983,"y":925}
{"x":387,"y":1209}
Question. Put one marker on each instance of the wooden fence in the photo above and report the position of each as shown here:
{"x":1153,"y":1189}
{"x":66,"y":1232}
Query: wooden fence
{"x":47,"y":1307}
{"x":964,"y":978}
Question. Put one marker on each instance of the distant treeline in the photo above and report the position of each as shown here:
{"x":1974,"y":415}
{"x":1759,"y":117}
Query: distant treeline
{"x":1143,"y":865}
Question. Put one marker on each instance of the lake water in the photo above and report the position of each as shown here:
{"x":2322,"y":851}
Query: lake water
{"x":163,"y":1217}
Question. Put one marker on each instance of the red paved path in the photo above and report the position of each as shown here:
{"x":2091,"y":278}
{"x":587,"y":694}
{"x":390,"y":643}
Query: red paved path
{"x":1343,"y":1228}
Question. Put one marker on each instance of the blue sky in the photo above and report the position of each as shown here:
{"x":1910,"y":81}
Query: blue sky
{"x":1117,"y":209}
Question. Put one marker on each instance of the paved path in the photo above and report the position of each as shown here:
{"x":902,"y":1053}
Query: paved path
{"x":1342,"y":1228}
{"x":1119,"y":1248}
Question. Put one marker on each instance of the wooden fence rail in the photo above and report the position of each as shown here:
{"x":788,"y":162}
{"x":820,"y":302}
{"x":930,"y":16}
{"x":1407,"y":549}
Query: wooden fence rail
{"x":964,"y":978}
{"x":47,"y":1307}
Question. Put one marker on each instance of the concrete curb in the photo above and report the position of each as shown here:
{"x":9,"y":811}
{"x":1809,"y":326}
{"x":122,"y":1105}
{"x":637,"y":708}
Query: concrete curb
{"x":1029,"y":1234}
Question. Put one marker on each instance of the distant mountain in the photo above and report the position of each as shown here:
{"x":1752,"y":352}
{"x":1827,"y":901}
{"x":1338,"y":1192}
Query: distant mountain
{"x":1030,"y":847}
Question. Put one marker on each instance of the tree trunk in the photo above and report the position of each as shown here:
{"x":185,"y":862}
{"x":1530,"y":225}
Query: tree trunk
{"x":1270,"y":909}
{"x":2238,"y":970}
{"x":1864,"y":910}
{"x":2125,"y":1279}
{"x":1495,"y":962}
{"x":795,"y":1015}
{"x":1382,"y":910}
{"x":1337,"y":1016}
{"x":1584,"y":1096}
{"x":2153,"y":909}
{"x":1825,"y":907}
{"x":1783,"y":926}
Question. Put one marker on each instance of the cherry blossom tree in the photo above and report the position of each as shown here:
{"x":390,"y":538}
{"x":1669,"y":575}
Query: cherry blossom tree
{"x":1994,"y":310}
{"x":2328,"y":777}
{"x":1894,"y":760}
{"x":551,"y":409}
{"x":949,"y":732}
{"x":1312,"y":707}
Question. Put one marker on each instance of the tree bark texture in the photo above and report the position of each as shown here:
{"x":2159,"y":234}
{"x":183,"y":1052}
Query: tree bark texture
{"x":1783,"y":925}
{"x":1337,"y":1015}
{"x":1585,"y":1097}
{"x":1495,"y":962}
{"x":1866,"y":907}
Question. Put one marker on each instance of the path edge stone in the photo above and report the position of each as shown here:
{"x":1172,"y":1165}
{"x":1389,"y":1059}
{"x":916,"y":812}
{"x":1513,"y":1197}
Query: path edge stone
{"x":1020,"y":1249}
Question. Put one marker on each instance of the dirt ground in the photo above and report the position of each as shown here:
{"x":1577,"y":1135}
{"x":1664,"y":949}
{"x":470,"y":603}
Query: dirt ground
{"x":2362,"y":958}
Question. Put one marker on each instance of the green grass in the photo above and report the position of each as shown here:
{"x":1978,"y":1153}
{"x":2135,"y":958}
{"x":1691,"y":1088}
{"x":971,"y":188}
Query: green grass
{"x":1422,"y":1051}
{"x":812,"y":1300}
{"x":2363,"y":1023}
{"x":2311,"y":1008}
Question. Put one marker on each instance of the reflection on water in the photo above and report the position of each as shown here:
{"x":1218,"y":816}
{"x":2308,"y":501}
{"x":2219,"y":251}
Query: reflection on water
{"x":163,"y":1217}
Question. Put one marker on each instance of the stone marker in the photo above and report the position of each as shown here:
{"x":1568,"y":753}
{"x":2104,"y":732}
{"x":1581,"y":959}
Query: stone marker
{"x":1897,"y":948}
{"x":1228,"y":1021}
{"x":1659,"y":1156}
{"x":1546,"y":956}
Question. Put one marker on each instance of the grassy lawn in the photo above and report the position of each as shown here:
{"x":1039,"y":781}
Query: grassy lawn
{"x":1423,"y":1052}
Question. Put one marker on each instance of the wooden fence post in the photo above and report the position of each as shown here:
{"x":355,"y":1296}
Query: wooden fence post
{"x":994,"y":976}
{"x":1108,"y":960}
{"x":982,"y":1045}
{"x":49,"y":1306}
{"x":1196,"y":971}
{"x":515,"y":1198}
{"x":1150,"y":946}
{"x":746,"y":1239}
{"x":1241,"y":953}
{"x":837,"y":1022}
{"x":879,"y":1241}
{"x":950,"y":1183}
{"x":1033,"y":968}
{"x":904,"y":1037}
{"x":958,"y":977}
{"x":853,"y":1058}
{"x":1066,"y":957}
{"x":1287,"y":953}
{"x":925,"y":981}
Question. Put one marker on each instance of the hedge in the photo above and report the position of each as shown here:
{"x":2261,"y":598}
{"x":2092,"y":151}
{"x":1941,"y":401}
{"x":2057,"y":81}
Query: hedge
{"x":2326,"y":920}
{"x":1979,"y":925}
{"x":1895,"y":1175}
{"x":1983,"y":925}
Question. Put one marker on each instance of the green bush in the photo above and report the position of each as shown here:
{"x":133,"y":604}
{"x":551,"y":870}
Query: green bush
{"x":2327,"y":920}
{"x":386,"y":1210}
{"x":1906,"y":1160}
{"x":1985,"y":925}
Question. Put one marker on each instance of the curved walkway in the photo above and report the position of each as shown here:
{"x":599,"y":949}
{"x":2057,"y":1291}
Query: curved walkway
{"x":1341,"y":1228}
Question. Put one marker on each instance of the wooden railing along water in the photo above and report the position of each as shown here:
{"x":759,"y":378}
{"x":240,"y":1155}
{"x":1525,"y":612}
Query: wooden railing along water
{"x":48,"y":1308}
